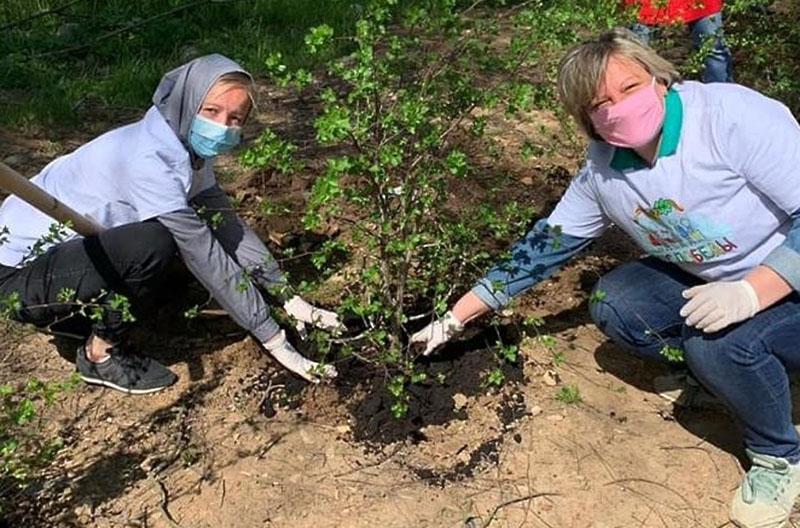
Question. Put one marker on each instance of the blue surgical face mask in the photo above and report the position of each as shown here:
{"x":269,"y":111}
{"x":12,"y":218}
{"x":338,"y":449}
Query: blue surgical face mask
{"x":209,"y":139}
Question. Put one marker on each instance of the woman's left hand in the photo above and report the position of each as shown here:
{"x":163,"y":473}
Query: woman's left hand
{"x":717,"y":305}
{"x":307,"y":313}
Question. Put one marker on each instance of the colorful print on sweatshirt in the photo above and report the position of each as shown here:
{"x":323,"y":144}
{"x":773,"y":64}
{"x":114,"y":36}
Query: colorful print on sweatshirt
{"x":666,"y":230}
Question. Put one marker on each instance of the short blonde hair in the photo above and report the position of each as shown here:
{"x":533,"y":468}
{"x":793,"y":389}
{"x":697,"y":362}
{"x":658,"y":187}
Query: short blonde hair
{"x":583,"y":68}
{"x":242,"y":80}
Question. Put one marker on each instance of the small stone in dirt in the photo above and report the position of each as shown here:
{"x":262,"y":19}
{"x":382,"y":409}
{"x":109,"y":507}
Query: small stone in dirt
{"x":518,"y":438}
{"x":279,"y":239}
{"x":459,"y":401}
{"x":342,"y":429}
{"x":305,"y":438}
{"x":14,"y":161}
{"x":555,"y":417}
{"x":550,"y":378}
{"x":620,"y":419}
{"x":666,"y":415}
{"x":536,"y":410}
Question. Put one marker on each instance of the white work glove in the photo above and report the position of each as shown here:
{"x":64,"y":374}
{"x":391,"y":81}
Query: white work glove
{"x":438,"y":332}
{"x":716,"y":305}
{"x":304,"y":312}
{"x":286,"y":355}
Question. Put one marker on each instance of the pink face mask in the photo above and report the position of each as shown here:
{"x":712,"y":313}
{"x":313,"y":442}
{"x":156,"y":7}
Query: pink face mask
{"x":632,"y":122}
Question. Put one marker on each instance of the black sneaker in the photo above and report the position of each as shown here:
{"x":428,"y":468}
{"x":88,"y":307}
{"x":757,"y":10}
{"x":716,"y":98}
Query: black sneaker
{"x":124,"y":372}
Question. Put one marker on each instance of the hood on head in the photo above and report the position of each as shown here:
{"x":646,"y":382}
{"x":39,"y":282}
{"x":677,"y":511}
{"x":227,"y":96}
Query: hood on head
{"x":182,"y":90}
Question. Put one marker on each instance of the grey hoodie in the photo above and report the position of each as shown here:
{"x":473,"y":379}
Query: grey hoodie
{"x":182,"y":90}
{"x":230,"y":259}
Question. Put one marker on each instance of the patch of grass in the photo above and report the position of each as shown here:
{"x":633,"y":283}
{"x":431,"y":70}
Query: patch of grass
{"x":54,"y":69}
{"x":569,"y":394}
{"x":559,"y":358}
{"x":84,"y":55}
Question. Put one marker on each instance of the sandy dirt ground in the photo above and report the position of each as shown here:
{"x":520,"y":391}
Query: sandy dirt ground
{"x":206,"y":454}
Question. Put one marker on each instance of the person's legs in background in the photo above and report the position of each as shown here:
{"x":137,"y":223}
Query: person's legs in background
{"x":707,"y":35}
{"x":645,"y":33}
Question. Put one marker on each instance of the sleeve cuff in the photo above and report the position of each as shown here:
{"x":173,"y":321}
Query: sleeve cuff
{"x":491,"y":298}
{"x":786,"y":263}
{"x":266,"y":331}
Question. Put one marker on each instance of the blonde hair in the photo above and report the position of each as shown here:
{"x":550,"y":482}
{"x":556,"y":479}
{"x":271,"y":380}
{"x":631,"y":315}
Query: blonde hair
{"x":583,"y":68}
{"x":241,"y":80}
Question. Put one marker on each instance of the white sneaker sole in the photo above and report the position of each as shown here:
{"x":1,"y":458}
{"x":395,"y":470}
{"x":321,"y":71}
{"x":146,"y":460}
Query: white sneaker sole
{"x":104,"y":383}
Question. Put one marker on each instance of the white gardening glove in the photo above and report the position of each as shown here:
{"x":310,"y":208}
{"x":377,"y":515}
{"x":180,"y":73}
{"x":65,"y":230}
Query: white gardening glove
{"x":438,"y":332}
{"x":716,"y":305}
{"x":307,"y":313}
{"x":286,"y":355}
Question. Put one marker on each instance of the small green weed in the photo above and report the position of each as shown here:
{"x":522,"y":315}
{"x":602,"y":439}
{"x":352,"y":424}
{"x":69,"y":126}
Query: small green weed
{"x":559,"y":358}
{"x":569,"y":394}
{"x":24,"y":448}
{"x":495,"y":378}
{"x":673,"y":354}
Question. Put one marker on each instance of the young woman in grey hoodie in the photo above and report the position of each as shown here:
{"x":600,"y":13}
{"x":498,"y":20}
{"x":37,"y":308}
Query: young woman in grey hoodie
{"x":143,"y":183}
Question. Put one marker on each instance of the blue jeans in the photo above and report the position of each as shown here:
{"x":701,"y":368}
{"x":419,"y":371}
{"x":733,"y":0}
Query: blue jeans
{"x":718,"y":63}
{"x":746,"y":365}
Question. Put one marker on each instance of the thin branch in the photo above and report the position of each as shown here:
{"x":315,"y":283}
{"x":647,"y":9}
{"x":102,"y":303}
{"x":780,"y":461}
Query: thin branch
{"x":130,"y":27}
{"x":515,"y":501}
{"x":372,"y":464}
{"x":686,"y":501}
{"x":52,"y":11}
{"x":164,"y":503}
{"x":222,"y":495}
{"x":697,"y":447}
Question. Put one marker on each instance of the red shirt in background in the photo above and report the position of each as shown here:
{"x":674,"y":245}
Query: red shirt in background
{"x":660,"y":12}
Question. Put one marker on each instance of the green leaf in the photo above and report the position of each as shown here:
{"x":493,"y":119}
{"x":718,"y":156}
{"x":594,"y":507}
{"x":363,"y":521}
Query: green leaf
{"x":399,"y":409}
{"x":418,"y":377}
{"x":275,"y":66}
{"x":673,"y":354}
{"x":319,"y":37}
{"x":24,"y":413}
{"x":66,"y":295}
{"x":495,"y":378}
{"x":270,"y":152}
{"x":509,"y":353}
{"x":597,"y":296}
{"x":457,"y":163}
{"x":192,"y":312}
{"x":333,"y":125}
{"x":10,"y":305}
{"x":397,"y":386}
